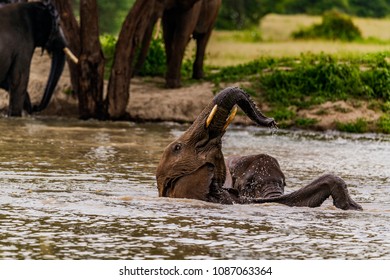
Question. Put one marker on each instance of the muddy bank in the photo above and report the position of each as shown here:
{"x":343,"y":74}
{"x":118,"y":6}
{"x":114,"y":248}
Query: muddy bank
{"x":151,"y":101}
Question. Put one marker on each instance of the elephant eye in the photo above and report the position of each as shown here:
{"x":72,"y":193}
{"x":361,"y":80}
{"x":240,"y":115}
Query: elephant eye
{"x":177,"y":147}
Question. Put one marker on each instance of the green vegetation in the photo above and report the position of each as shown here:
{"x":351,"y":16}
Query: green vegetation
{"x":108,"y":43}
{"x":111,"y":14}
{"x":384,"y":124}
{"x":243,"y":14}
{"x":334,"y":26}
{"x":358,"y":126}
{"x":291,"y":84}
{"x":155,"y":63}
{"x":238,"y":15}
{"x":309,"y":78}
{"x":361,"y":8}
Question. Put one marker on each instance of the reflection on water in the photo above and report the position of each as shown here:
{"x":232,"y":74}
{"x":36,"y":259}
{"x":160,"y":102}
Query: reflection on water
{"x":86,"y":190}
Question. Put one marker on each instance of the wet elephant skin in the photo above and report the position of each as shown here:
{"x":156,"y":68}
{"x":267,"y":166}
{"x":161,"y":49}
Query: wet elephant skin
{"x":23,"y":27}
{"x":194,"y":167}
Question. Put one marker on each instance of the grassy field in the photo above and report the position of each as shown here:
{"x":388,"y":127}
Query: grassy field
{"x":333,"y":85}
{"x":232,"y":47}
{"x":305,"y":83}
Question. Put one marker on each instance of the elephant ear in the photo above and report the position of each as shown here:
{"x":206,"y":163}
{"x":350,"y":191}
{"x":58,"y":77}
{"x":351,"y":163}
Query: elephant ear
{"x":195,"y":185}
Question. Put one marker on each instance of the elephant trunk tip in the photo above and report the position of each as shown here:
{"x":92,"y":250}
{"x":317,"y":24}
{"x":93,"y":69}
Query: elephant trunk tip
{"x":231,"y":96}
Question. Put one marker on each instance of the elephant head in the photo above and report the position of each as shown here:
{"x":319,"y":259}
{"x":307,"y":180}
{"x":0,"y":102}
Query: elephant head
{"x":23,"y":27}
{"x":193,"y":166}
{"x":48,"y":35}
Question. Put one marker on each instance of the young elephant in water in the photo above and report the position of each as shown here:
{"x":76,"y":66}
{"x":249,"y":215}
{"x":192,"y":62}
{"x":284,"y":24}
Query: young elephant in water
{"x":193,"y":166}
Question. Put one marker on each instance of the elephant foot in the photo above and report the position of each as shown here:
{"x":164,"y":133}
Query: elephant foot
{"x":15,"y":113}
{"x":348,"y":204}
{"x":172,"y":83}
{"x":340,"y":194}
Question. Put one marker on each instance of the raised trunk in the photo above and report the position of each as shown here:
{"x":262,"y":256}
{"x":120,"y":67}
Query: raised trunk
{"x":231,"y":96}
{"x":214,"y":117}
{"x":91,"y":64}
{"x":129,"y":39}
{"x":57,"y":66}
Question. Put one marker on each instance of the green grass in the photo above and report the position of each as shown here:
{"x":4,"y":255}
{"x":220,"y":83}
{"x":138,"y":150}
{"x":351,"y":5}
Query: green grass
{"x":334,"y":26}
{"x":291,"y":84}
{"x":227,"y":48}
{"x":291,"y":76}
{"x":384,"y":124}
{"x":311,"y":79}
{"x":358,"y":126}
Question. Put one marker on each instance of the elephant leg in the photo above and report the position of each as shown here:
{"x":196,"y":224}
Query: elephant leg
{"x":201,"y":43}
{"x":168,"y":33}
{"x":314,"y":194}
{"x":27,"y":103}
{"x":172,"y":52}
{"x":178,"y":26}
{"x":17,"y":92}
{"x":173,"y":75}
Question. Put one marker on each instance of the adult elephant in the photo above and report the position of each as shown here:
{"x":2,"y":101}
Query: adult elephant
{"x":193,"y":166}
{"x":23,"y":27}
{"x":182,"y":19}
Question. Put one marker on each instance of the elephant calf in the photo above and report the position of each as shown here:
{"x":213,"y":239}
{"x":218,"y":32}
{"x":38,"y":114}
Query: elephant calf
{"x":193,"y":166}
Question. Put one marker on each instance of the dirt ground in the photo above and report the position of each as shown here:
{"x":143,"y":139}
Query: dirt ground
{"x":150,"y":101}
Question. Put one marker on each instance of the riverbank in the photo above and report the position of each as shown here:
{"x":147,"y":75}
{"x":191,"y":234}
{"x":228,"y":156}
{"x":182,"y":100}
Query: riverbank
{"x":151,"y":101}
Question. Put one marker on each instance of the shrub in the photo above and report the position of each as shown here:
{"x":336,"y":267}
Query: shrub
{"x":305,"y":122}
{"x":378,"y":80}
{"x":384,"y":124}
{"x":313,"y":80}
{"x":155,"y":63}
{"x":358,"y":126}
{"x":108,"y":43}
{"x":334,"y":26}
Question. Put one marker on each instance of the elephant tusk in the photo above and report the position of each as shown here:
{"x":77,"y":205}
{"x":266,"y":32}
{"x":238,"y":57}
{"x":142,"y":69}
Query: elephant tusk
{"x":233,"y":113}
{"x":211,"y":116}
{"x":71,"y":56}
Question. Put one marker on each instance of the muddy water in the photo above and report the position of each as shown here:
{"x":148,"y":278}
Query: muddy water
{"x":86,"y":190}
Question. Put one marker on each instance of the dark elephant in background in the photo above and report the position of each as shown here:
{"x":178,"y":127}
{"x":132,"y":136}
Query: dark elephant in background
{"x":181,"y":20}
{"x":193,"y":165}
{"x":23,"y":27}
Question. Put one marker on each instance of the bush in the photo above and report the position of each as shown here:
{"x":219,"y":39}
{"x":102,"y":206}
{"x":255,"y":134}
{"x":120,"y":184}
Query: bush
{"x":334,"y":26}
{"x":312,"y":80}
{"x":242,"y":14}
{"x":358,"y":126}
{"x":108,"y":43}
{"x":155,"y":63}
{"x":384,"y":124}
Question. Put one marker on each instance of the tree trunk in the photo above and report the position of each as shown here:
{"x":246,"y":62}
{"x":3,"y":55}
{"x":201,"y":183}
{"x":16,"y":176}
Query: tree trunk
{"x":91,"y":63}
{"x":130,"y":38}
{"x":71,"y":30}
